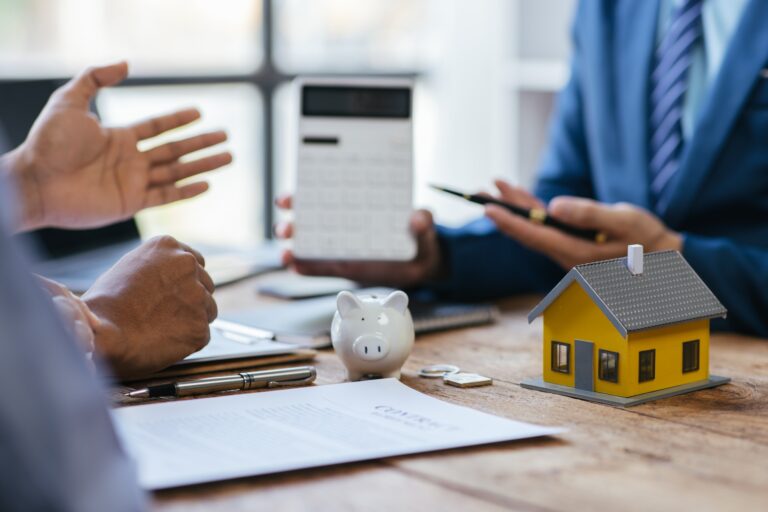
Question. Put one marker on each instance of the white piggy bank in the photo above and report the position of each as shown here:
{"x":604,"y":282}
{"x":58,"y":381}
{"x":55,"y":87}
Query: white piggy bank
{"x":373,"y":336}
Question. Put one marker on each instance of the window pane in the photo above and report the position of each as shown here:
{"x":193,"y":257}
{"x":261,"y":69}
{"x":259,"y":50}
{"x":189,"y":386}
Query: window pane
{"x":690,"y":356}
{"x":460,"y":52}
{"x":168,"y":37}
{"x":561,"y":357}
{"x":353,"y":35}
{"x":609,"y":366}
{"x":231,"y":212}
{"x":647,"y":363}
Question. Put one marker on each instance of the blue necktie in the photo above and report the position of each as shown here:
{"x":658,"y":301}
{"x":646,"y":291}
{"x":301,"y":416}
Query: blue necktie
{"x":669,"y":82}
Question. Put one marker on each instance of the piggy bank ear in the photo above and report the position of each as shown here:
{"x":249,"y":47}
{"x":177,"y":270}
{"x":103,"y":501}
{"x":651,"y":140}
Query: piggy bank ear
{"x":346,"y":302}
{"x":397,"y":300}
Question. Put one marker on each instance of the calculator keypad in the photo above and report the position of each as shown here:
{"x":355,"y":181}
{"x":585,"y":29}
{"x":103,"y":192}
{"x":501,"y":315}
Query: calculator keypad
{"x":354,"y":200}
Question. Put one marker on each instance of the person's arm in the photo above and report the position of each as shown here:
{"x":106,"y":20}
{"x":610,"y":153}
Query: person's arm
{"x":73,"y":172}
{"x":59,"y":450}
{"x":738,"y":276}
{"x":154,"y":308}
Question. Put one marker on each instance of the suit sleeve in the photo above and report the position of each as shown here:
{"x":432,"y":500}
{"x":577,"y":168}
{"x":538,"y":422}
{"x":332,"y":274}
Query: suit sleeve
{"x":483,"y":263}
{"x":738,"y":275}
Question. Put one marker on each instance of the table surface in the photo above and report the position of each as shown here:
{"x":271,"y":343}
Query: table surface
{"x":707,"y":450}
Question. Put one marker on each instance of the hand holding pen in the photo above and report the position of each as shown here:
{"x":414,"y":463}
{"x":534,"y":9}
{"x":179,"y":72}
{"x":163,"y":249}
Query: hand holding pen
{"x":620,"y":224}
{"x":536,"y":213}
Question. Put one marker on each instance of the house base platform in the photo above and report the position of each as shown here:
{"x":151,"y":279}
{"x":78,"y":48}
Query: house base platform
{"x":619,"y":401}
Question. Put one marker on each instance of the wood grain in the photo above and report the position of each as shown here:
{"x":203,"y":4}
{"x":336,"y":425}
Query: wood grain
{"x":703,"y":451}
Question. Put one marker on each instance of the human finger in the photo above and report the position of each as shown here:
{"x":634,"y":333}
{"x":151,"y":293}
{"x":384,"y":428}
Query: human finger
{"x":172,"y":151}
{"x":210,"y":306}
{"x":70,"y":312}
{"x":194,"y":252}
{"x":517,"y":195}
{"x":89,"y":316}
{"x":284,"y":201}
{"x":205,"y":279}
{"x":171,"y":173}
{"x":165,"y":194}
{"x":84,"y":333}
{"x":79,"y":91}
{"x":284,"y":230}
{"x":586,"y":213}
{"x":565,"y":249}
{"x":287,"y":258}
{"x":212,"y":309}
{"x":156,"y":125}
{"x":421,"y":221}
{"x":66,"y":309}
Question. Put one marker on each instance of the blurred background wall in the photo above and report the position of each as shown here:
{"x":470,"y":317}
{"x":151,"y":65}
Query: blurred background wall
{"x":487,"y":72}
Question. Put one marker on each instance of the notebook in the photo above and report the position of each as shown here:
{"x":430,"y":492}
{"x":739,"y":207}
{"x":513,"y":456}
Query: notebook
{"x":307,"y":323}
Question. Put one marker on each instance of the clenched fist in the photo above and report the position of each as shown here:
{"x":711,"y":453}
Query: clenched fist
{"x":154,"y":306}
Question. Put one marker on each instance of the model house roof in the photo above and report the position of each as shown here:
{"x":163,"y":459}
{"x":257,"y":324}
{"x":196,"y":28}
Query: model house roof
{"x":667,"y":291}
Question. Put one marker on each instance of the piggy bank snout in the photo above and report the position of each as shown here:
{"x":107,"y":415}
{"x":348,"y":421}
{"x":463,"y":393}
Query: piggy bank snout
{"x":369,"y":347}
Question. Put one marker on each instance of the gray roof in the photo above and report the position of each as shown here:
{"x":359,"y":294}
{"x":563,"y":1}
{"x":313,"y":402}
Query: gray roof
{"x":667,"y":292}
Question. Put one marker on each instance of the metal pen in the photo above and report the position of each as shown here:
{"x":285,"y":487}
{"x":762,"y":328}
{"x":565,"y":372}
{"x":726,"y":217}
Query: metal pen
{"x":536,"y":215}
{"x":284,"y":377}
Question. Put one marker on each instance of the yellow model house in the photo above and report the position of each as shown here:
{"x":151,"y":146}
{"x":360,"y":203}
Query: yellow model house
{"x":628,"y":330}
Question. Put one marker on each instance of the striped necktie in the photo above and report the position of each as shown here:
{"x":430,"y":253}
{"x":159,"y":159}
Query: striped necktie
{"x":668,"y":85}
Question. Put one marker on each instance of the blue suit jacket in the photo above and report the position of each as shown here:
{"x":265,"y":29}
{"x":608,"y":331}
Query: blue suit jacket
{"x":598,"y":148}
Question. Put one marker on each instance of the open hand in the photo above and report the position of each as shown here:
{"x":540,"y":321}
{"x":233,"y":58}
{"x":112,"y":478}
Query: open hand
{"x":623,"y":224}
{"x":426,"y":266}
{"x":75,"y":173}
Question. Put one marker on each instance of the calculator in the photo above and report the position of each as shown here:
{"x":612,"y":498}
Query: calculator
{"x":354,"y":188}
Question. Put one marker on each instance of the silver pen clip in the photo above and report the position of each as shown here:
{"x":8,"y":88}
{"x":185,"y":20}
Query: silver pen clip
{"x":292,"y":383}
{"x":281,"y":378}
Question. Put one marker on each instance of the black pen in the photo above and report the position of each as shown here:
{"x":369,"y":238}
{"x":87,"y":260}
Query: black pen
{"x":537,"y":215}
{"x":284,"y":377}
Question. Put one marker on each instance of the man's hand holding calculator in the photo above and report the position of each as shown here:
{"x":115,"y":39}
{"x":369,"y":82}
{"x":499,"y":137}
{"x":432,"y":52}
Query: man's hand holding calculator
{"x":426,"y":266}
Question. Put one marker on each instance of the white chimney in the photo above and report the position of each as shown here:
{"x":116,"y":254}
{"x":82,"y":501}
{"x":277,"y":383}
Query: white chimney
{"x":635,"y":259}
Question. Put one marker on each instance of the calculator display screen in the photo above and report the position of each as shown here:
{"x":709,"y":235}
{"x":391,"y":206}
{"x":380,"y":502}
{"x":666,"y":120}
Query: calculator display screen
{"x":342,"y":101}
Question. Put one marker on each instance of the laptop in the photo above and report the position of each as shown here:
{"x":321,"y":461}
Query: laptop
{"x":76,"y":258}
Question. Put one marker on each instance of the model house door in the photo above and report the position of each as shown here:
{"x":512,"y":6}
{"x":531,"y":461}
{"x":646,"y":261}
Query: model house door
{"x":585,"y":365}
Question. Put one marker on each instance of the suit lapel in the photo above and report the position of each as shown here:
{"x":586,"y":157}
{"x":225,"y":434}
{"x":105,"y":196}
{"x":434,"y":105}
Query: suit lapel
{"x":746,"y":55}
{"x":635,"y":32}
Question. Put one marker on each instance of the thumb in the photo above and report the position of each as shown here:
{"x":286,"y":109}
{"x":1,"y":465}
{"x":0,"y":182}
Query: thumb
{"x":79,"y":91}
{"x":421,"y":222}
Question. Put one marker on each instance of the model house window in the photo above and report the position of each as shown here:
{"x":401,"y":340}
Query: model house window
{"x":690,"y":356}
{"x":609,"y":366}
{"x":561,"y":357}
{"x":647,"y":365}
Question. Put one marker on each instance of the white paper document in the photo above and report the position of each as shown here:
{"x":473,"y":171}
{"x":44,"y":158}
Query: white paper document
{"x":226,"y":346}
{"x":209,"y":439}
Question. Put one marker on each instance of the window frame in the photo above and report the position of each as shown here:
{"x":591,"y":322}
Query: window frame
{"x":697,"y":345}
{"x":266,"y":79}
{"x":640,"y":375}
{"x":601,"y":373}
{"x":555,"y":345}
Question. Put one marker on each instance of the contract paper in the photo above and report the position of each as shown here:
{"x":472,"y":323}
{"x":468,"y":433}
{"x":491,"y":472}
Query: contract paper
{"x":209,"y":439}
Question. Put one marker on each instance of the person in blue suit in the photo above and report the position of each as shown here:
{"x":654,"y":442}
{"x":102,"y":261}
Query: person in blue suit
{"x":660,"y":138}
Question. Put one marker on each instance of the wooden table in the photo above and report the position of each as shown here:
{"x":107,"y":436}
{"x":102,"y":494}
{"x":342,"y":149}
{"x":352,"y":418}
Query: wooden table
{"x":703,"y":451}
